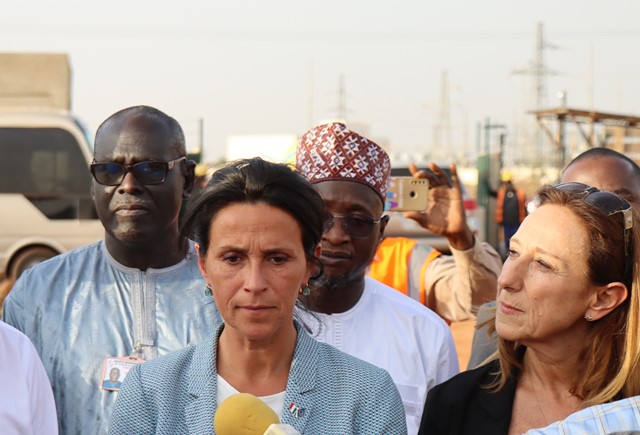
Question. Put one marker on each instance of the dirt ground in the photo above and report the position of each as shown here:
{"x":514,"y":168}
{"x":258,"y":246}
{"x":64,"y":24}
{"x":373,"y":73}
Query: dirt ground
{"x":463,"y":335}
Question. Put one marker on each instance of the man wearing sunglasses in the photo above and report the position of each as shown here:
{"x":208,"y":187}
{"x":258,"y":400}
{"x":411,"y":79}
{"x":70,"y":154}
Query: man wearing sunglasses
{"x":135,"y":295}
{"x":355,"y":313}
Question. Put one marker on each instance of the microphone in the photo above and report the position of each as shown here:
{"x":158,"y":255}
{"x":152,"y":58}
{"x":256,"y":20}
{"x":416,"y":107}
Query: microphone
{"x":243,"y":414}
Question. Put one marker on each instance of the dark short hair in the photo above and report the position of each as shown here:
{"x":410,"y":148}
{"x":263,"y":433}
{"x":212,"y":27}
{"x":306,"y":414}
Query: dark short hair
{"x":176,"y":135}
{"x":605,"y":152}
{"x":256,"y":181}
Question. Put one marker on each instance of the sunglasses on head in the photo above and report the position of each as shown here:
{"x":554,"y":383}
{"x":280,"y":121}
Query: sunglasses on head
{"x":609,"y":203}
{"x":356,"y":226}
{"x":148,"y":173}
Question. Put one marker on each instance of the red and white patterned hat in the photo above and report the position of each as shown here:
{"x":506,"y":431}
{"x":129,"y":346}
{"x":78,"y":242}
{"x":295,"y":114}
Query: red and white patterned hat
{"x":333,"y":152}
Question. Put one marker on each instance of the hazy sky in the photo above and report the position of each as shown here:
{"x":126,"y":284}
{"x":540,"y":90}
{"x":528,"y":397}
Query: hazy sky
{"x":243,"y":66}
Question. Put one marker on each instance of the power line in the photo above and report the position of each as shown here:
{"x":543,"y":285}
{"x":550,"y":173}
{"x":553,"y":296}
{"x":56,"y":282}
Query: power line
{"x":301,"y":36}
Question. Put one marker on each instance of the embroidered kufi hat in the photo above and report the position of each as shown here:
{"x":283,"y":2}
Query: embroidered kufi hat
{"x":332,"y":152}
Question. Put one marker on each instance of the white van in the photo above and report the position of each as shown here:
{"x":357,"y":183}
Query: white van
{"x":45,"y":199}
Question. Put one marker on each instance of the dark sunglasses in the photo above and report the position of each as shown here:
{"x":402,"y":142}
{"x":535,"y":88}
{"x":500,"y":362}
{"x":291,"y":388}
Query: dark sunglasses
{"x":150,"y":172}
{"x":609,"y":203}
{"x":355,"y":225}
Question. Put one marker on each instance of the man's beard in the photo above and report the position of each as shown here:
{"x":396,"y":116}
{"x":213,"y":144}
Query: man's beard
{"x":336,"y":283}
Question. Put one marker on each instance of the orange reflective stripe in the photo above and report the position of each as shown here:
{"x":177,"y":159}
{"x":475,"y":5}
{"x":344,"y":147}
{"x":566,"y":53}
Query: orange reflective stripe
{"x":389,"y":265}
{"x":499,"y":205}
{"x":423,"y":272}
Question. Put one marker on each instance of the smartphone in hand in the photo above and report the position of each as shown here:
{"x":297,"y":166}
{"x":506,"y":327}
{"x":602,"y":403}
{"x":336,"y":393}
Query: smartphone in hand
{"x":407,"y":194}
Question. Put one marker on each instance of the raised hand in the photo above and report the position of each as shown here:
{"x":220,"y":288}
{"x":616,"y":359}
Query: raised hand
{"x":445,"y":214}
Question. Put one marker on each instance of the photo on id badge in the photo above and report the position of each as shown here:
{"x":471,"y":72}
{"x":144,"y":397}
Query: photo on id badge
{"x":114,"y":370}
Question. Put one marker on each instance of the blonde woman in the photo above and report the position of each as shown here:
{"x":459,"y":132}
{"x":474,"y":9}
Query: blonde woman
{"x":567,"y":320}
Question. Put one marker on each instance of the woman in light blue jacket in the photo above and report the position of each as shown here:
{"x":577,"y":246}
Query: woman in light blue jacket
{"x":257,"y":227}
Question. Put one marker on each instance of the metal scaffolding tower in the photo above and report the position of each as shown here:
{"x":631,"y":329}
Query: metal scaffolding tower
{"x":442,"y":145}
{"x":534,"y":145}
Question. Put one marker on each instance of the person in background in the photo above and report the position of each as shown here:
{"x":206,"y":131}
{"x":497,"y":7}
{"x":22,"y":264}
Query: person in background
{"x":26,"y":400}
{"x":257,"y":227}
{"x":603,"y":168}
{"x":510,"y":207}
{"x":357,"y":314}
{"x":606,"y":169}
{"x":567,"y":320}
{"x":133,"y":296}
{"x":455,"y":285}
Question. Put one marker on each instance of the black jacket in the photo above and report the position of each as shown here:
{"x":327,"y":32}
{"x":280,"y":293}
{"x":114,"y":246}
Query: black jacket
{"x":462,"y":406}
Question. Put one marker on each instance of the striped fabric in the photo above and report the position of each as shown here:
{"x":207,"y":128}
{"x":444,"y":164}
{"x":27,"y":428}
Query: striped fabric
{"x":622,"y":416}
{"x":328,"y":392}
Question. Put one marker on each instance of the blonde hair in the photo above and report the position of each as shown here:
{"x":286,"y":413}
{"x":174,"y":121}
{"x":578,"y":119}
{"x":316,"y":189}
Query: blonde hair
{"x":612,"y":350}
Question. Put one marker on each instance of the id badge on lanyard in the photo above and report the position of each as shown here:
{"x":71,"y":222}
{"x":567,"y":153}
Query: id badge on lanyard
{"x":114,"y":370}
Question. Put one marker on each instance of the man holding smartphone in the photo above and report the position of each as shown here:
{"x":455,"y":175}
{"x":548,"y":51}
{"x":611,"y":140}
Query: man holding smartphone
{"x":131,"y":297}
{"x":454,"y":286}
{"x":355,"y":313}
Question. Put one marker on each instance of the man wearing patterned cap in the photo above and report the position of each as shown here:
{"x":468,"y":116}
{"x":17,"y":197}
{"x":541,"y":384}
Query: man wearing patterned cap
{"x":358,"y":314}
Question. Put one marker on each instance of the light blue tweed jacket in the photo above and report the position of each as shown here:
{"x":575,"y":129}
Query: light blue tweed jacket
{"x":328,"y":392}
